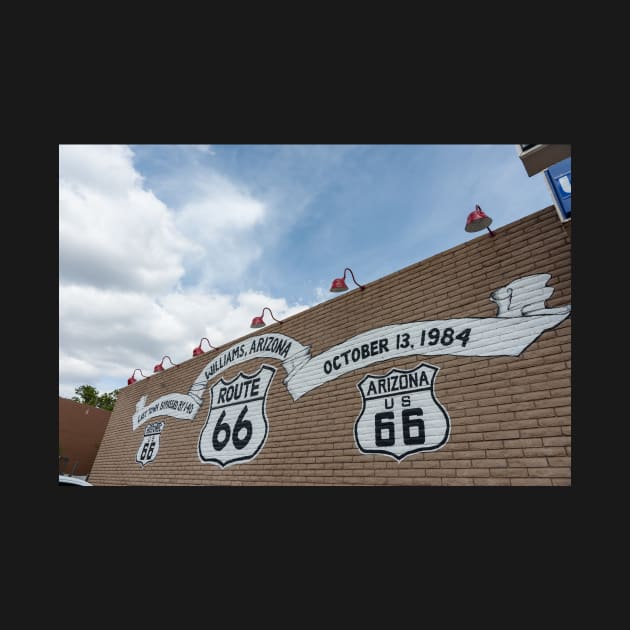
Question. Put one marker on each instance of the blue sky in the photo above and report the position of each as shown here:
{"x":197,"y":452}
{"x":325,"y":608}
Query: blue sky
{"x":160,"y":245}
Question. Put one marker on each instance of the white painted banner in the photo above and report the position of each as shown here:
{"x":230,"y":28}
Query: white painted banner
{"x":467,"y":337}
{"x":185,"y":406}
{"x":521,"y":318}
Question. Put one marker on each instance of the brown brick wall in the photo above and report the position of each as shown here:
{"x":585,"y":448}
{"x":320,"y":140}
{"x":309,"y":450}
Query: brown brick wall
{"x":81,"y":429}
{"x":510,"y":416}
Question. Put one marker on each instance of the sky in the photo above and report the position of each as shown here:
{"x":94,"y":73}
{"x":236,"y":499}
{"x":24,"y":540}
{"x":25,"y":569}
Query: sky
{"x":161,"y":245}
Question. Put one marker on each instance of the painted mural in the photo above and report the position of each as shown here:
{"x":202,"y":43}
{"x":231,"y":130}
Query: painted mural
{"x":401,"y":414}
{"x":395,"y":422}
{"x":150,"y":444}
{"x":236,"y":427}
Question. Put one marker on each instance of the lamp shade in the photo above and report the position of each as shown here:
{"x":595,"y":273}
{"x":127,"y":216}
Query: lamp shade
{"x":132,"y":379}
{"x":257,"y":322}
{"x":338,"y":285}
{"x":477,"y":220}
{"x":199,"y":350}
{"x":160,"y":367}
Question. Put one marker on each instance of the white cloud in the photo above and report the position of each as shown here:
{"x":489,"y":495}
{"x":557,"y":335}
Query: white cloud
{"x":111,"y":333}
{"x":223,"y":220}
{"x":112,"y":233}
{"x":124,"y":257}
{"x":98,"y":168}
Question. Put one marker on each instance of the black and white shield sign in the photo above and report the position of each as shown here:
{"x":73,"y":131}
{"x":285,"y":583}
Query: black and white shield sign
{"x":400,"y":414}
{"x":150,"y":444}
{"x":236,"y":427}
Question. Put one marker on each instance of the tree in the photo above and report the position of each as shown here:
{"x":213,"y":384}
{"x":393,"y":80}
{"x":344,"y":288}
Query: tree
{"x":107,"y":401}
{"x":89,"y":395}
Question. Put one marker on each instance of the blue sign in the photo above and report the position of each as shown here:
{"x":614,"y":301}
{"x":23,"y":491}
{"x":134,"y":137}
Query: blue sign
{"x":559,"y":179}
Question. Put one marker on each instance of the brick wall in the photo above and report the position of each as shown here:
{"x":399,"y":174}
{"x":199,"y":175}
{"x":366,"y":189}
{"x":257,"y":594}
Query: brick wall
{"x":510,"y":416}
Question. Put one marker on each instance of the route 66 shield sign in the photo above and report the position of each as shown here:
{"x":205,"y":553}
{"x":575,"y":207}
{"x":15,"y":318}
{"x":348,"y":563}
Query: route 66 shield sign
{"x":400,"y":413}
{"x":236,"y":427}
{"x":150,"y":444}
